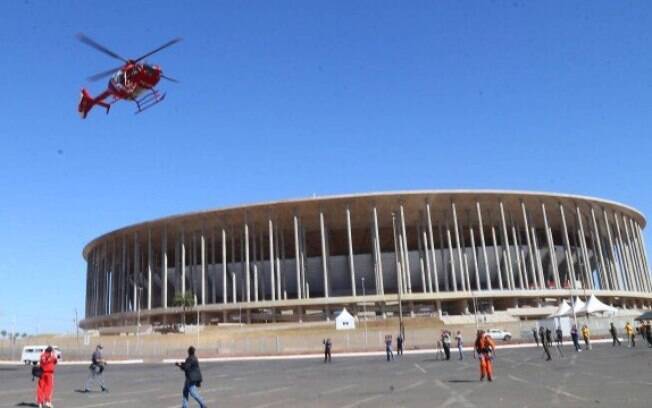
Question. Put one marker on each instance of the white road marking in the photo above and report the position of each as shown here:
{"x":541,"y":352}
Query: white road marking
{"x":559,"y":391}
{"x":409,"y":387}
{"x":518,"y":379}
{"x":362,"y":401}
{"x":334,"y":390}
{"x":420,"y":368}
{"x":270,"y":404}
{"x":106,"y":404}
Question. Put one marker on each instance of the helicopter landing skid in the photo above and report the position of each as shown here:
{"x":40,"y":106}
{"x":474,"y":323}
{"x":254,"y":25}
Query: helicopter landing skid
{"x":149,"y":100}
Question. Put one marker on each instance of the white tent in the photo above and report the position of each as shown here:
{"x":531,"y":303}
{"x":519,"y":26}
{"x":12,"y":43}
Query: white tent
{"x":344,"y":321}
{"x":579,"y":305}
{"x":563,"y":310}
{"x":593,"y":305}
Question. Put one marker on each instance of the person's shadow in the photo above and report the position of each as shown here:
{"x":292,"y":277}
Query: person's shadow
{"x":26,"y":404}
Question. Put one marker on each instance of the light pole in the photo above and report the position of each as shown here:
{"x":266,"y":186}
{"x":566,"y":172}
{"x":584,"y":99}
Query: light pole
{"x":364,"y":308}
{"x":399,"y":272}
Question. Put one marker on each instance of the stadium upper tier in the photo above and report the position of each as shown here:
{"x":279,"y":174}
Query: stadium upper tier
{"x":432,"y":250}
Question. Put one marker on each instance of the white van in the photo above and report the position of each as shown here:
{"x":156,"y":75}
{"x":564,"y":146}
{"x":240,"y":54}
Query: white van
{"x":32,"y":354}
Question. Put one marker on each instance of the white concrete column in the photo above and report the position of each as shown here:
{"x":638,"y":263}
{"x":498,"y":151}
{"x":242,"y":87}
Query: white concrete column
{"x":234,"y":287}
{"x":422,"y":266}
{"x":164,"y":267}
{"x":529,"y":247}
{"x":202,"y":249}
{"x":432,"y":247}
{"x":407,"y":251}
{"x":475,"y":260}
{"x":551,"y":248}
{"x":279,"y":245}
{"x":617,"y":271}
{"x":537,"y":253}
{"x":569,"y":253}
{"x":633,"y":255}
{"x":585,"y":252}
{"x":452,"y":257}
{"x":603,"y":268}
{"x":225,"y":292}
{"x":183,"y":262}
{"x":484,"y":247}
{"x":272,"y":276}
{"x":324,"y":254}
{"x":427,"y":253}
{"x":254,"y":260}
{"x":149,"y":269}
{"x":518,"y":258}
{"x":646,"y":264}
{"x":296,"y":255}
{"x":459,"y":249}
{"x":247,"y":263}
{"x":350,"y":242}
{"x":497,"y":256}
{"x":378,"y":252}
{"x":510,"y":271}
{"x":623,"y":255}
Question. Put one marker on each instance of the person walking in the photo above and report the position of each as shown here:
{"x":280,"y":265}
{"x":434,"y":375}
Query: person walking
{"x":648,"y":333}
{"x":327,"y":350}
{"x":535,"y":334}
{"x":586,"y":334}
{"x":559,"y":340}
{"x":546,"y":348}
{"x":388,"y":347}
{"x":96,"y":369}
{"x":460,"y":345}
{"x":542,"y":334}
{"x":575,"y":336}
{"x":614,"y":335}
{"x":193,"y":379}
{"x":486,"y":348}
{"x":642,"y":331}
{"x":631,"y":335}
{"x":45,"y":385}
{"x":399,"y":345}
{"x":446,"y":343}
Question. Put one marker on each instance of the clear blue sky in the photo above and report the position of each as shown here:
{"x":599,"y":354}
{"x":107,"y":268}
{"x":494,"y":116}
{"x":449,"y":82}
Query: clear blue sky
{"x":286,"y":99}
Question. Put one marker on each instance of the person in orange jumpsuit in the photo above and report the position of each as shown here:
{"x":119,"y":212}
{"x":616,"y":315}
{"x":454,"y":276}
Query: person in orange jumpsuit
{"x":485,"y":348}
{"x":45,"y":387}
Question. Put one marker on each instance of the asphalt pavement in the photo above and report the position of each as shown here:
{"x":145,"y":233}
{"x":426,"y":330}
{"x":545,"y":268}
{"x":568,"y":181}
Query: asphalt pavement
{"x":603,"y":377}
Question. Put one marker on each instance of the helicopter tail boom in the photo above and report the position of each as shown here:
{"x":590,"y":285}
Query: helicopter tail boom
{"x":87,"y":102}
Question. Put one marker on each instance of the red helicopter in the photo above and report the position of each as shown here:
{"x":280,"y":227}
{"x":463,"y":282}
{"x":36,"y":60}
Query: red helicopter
{"x":133,"y":81}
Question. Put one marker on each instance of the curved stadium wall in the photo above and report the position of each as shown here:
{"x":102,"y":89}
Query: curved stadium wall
{"x":434,"y":251}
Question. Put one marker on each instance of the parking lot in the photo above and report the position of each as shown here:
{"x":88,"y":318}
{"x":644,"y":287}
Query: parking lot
{"x":605,"y":376}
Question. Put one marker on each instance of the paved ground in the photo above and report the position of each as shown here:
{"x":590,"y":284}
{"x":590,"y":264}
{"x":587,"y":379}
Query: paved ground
{"x":605,"y":376}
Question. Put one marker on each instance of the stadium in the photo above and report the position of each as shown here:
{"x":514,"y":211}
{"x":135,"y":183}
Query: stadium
{"x":417,"y":252}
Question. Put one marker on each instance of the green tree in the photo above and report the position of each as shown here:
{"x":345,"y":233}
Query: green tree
{"x":184,"y":301}
{"x":24,"y":335}
{"x":3,"y":333}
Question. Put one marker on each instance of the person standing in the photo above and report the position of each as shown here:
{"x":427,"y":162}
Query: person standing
{"x":388,"y":347}
{"x":542,"y":334}
{"x":614,"y":335}
{"x":546,"y":348}
{"x":399,"y":345}
{"x":575,"y":336}
{"x":535,"y":334}
{"x":648,"y":333}
{"x":486,"y":348}
{"x":631,"y":335}
{"x":45,"y":385}
{"x":96,"y":368}
{"x":458,"y":339}
{"x":559,"y":340}
{"x":549,"y":336}
{"x":586,"y":334}
{"x":193,"y":379}
{"x":446,"y":342}
{"x":327,"y":350}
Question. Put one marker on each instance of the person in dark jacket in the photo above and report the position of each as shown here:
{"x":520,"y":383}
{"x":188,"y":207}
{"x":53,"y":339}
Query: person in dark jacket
{"x":614,"y":334}
{"x":328,"y":345}
{"x":193,"y":379}
{"x":535,"y":334}
{"x":399,"y":345}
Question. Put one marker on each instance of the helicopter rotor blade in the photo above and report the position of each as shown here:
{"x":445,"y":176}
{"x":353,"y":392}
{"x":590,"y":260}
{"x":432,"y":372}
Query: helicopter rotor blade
{"x":170,"y":79}
{"x":103,"y":74}
{"x":167,"y":44}
{"x":92,"y":43}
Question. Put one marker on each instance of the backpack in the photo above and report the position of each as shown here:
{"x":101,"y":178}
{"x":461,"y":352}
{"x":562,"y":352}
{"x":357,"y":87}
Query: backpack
{"x":37,"y":372}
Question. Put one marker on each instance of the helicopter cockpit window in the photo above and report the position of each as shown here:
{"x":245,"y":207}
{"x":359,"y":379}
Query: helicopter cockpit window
{"x":119,"y":77}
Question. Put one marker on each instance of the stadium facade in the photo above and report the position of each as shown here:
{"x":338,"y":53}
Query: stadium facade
{"x":437,"y":252}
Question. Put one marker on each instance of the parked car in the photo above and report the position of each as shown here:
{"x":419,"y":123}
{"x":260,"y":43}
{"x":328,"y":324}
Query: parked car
{"x":32,"y":354}
{"x":499,"y":334}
